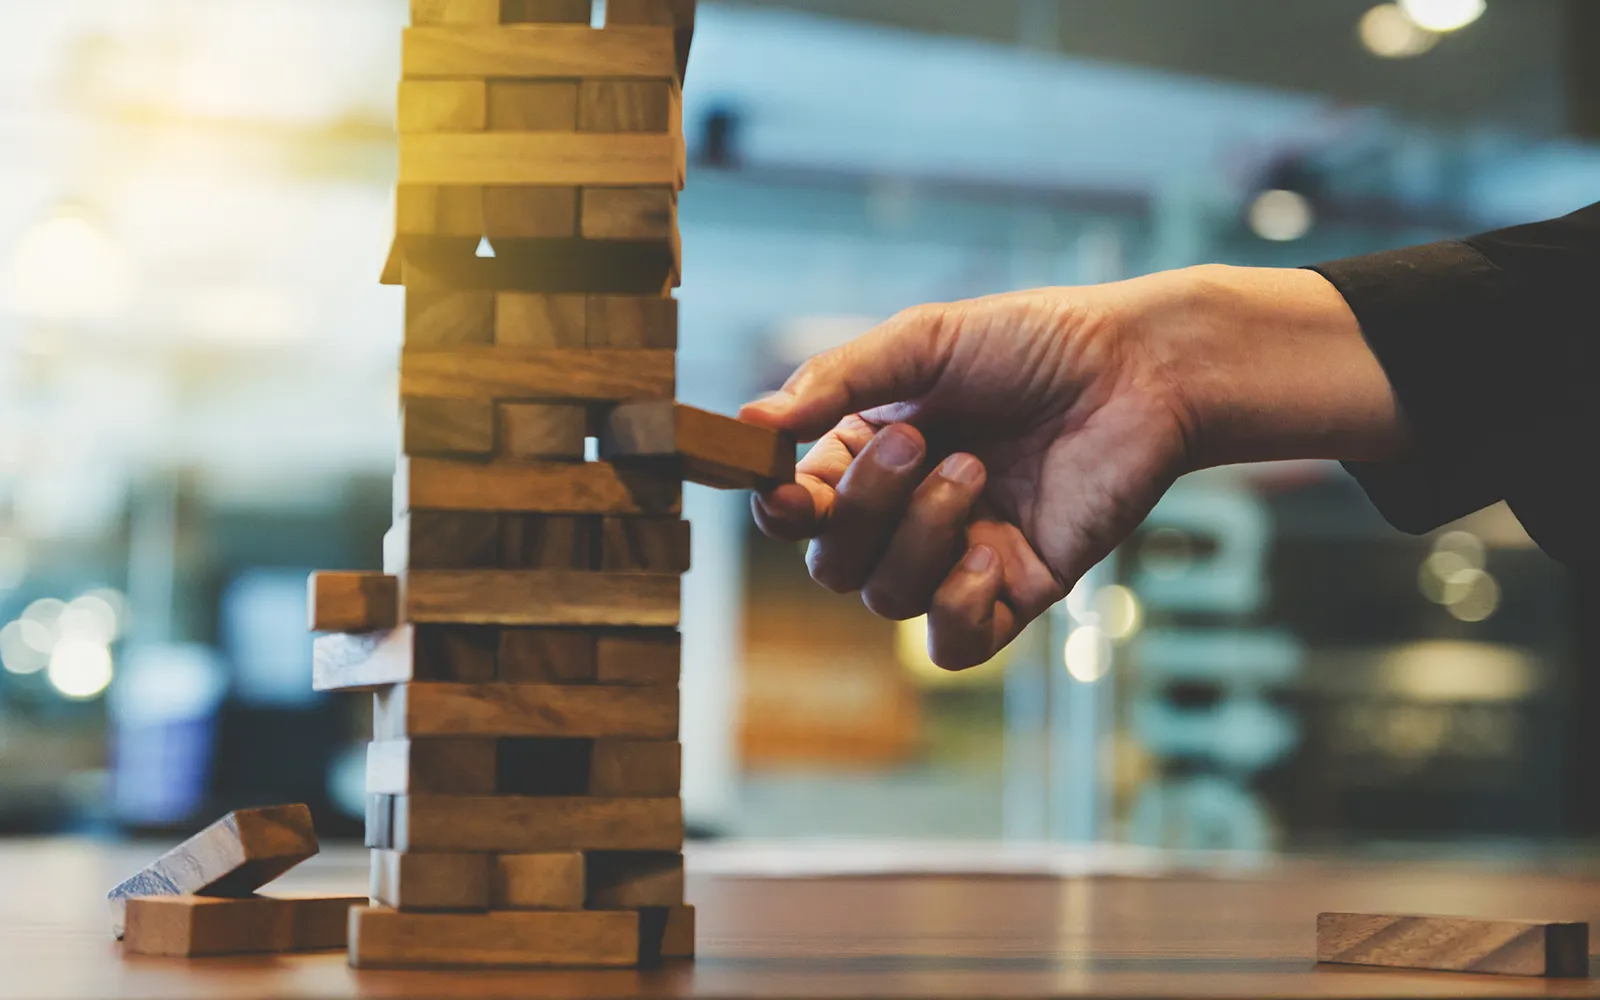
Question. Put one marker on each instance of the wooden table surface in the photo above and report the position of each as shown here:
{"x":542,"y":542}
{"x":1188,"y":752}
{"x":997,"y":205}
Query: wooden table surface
{"x":925,"y":936}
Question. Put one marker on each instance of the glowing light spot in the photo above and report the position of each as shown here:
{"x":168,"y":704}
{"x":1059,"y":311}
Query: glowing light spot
{"x":1281,"y":216}
{"x":17,"y":654}
{"x":1389,"y":33}
{"x":80,"y":668}
{"x":68,"y":268}
{"x":1472,"y":595}
{"x":1443,"y":15}
{"x":1119,"y":611}
{"x":1087,"y":654}
{"x":89,"y":617}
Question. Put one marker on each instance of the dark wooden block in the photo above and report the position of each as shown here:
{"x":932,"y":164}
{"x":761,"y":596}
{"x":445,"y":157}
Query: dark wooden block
{"x":352,"y":602}
{"x":527,"y":319}
{"x":432,"y":766}
{"x":447,"y":427}
{"x":535,"y":824}
{"x":385,"y":938}
{"x":431,"y":881}
{"x":646,"y":544}
{"x":192,"y":926}
{"x":547,"y":656}
{"x":437,"y":539}
{"x":549,"y":541}
{"x":633,"y":321}
{"x":631,"y":880}
{"x":441,"y":319}
{"x":638,"y":656}
{"x":424,"y":709}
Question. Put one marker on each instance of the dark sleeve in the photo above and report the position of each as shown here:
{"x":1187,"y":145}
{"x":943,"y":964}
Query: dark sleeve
{"x":1489,"y":344}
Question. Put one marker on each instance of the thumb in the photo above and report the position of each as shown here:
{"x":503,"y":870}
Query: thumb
{"x":898,"y":361}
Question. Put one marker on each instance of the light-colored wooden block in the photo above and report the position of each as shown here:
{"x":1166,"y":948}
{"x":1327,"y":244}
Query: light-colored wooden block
{"x":546,"y":656}
{"x":510,"y":373}
{"x":449,"y":209}
{"x":542,"y":430}
{"x":368,"y":660}
{"x":635,"y":768}
{"x":234,"y":856}
{"x":549,"y":541}
{"x":677,"y":941}
{"x":525,"y":319}
{"x":352,"y":602}
{"x":556,"y":487}
{"x":541,"y":597}
{"x":432,"y":767}
{"x":447,"y":427}
{"x":1454,"y":944}
{"x":551,"y":881}
{"x":567,"y":158}
{"x":629,"y":213}
{"x":535,"y":824}
{"x":431,"y":710}
{"x":633,"y":321}
{"x":714,"y":450}
{"x":562,"y":52}
{"x":532,"y":105}
{"x":631,"y":880}
{"x":645,"y":544}
{"x":449,"y":319}
{"x":385,"y":938}
{"x":446,"y":106}
{"x":638,"y":656}
{"x":431,"y":881}
{"x":625,"y":105}
{"x":546,"y":11}
{"x":193,"y":926}
{"x":480,"y":12}
{"x":530,"y":212}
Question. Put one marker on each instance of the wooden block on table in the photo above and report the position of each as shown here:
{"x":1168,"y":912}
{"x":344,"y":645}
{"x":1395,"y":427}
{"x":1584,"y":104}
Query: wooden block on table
{"x":192,"y":926}
{"x":714,"y":450}
{"x":635,"y":768}
{"x":633,"y":321}
{"x":455,"y":11}
{"x":431,"y":881}
{"x":533,"y":824}
{"x":554,"y":487}
{"x":629,"y":213}
{"x":353,"y":602}
{"x":542,"y":430}
{"x":509,"y":373}
{"x":525,"y":319}
{"x":460,"y":653}
{"x":565,"y":158}
{"x":447,"y":539}
{"x":625,"y":105}
{"x":549,"y":541}
{"x":433,"y":767}
{"x":447,"y":427}
{"x":1454,"y":944}
{"x":541,"y":597}
{"x":525,"y":11}
{"x":425,"y":709}
{"x":677,"y":940}
{"x":449,"y":319}
{"x":549,"y":881}
{"x":561,"y":52}
{"x":638,"y":656}
{"x":447,"y":106}
{"x":449,"y":209}
{"x":632,"y":880}
{"x":234,"y":856}
{"x":529,"y":212}
{"x":546,"y":656}
{"x":532,"y":105}
{"x":385,"y":938}
{"x":645,"y":544}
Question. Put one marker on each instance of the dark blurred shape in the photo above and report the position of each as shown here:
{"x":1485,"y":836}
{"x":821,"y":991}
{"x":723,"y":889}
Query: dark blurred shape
{"x":719,"y":134}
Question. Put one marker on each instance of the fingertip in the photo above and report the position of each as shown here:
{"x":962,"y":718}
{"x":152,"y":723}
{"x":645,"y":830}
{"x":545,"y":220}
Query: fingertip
{"x":786,"y":512}
{"x":962,"y":623}
{"x":980,"y":561}
{"x":772,"y":410}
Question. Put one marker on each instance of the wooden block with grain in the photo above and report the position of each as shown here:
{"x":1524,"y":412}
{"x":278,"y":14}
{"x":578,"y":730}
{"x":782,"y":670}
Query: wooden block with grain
{"x":645,"y":544}
{"x":549,"y":541}
{"x":352,"y":602}
{"x":677,"y":940}
{"x":444,"y":319}
{"x":712,"y":449}
{"x":632,"y":880}
{"x":633,"y":321}
{"x":423,"y":709}
{"x":546,"y":656}
{"x":445,"y":539}
{"x":447,"y":427}
{"x":629,"y":213}
{"x":638,"y":656}
{"x":676,"y":14}
{"x":363,"y":661}
{"x":447,"y":106}
{"x":552,"y":487}
{"x":192,"y":926}
{"x":559,"y":158}
{"x":511,"y":373}
{"x":559,"y":52}
{"x":447,"y":209}
{"x":635,"y":768}
{"x":536,"y":824}
{"x":541,"y":597}
{"x":532,"y":105}
{"x":433,"y":767}
{"x":526,"y":319}
{"x":385,"y":938}
{"x":234,"y":856}
{"x":542,"y":430}
{"x":529,"y":212}
{"x":1454,"y":944}
{"x":625,"y":105}
{"x":421,"y":881}
{"x":480,"y":12}
{"x":548,"y":881}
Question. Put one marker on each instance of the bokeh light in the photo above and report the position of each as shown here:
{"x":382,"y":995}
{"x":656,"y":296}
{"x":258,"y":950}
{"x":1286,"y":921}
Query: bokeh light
{"x":1281,"y":216}
{"x":1389,"y":33}
{"x":1443,"y":15}
{"x":80,"y":668}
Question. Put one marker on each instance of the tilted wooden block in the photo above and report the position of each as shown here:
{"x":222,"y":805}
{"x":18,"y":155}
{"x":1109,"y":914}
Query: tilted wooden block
{"x":549,"y":541}
{"x":645,"y":544}
{"x":234,"y":856}
{"x":192,"y":926}
{"x":447,"y":106}
{"x":542,"y":430}
{"x":529,"y":212}
{"x":630,"y":880}
{"x":629,"y":213}
{"x":450,"y":209}
{"x":525,"y":319}
{"x":714,"y":450}
{"x":353,"y":602}
{"x":431,"y":881}
{"x":635,"y":768}
{"x":1454,"y":944}
{"x":553,"y":487}
{"x":565,"y":158}
{"x":432,"y":766}
{"x":638,"y":656}
{"x":428,"y":709}
{"x":547,"y":656}
{"x":538,"y":52}
{"x":455,"y":11}
{"x":541,"y":597}
{"x":625,"y":105}
{"x":385,"y":938}
{"x":633,"y":321}
{"x":363,"y":661}
{"x":509,"y":373}
{"x":443,"y":539}
{"x":449,"y":319}
{"x":550,"y":881}
{"x":447,"y":427}
{"x":533,"y":105}
{"x":535,"y":824}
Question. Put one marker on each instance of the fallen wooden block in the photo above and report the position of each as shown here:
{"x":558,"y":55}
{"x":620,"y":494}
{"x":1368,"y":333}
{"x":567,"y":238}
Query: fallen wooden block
{"x":385,"y":938}
{"x":549,"y":881}
{"x":632,"y":880}
{"x":551,"y":710}
{"x":541,"y":597}
{"x":234,"y":856}
{"x":191,"y":926}
{"x":431,"y":881}
{"x":511,"y":373}
{"x":543,"y":51}
{"x":368,"y":660}
{"x":1454,"y":944}
{"x":561,"y":158}
{"x":545,"y":487}
{"x":353,"y":602}
{"x":531,"y":824}
{"x":712,"y":449}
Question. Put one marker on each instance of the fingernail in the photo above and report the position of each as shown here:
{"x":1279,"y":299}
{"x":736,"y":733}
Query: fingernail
{"x":963,"y":469}
{"x":897,"y":450}
{"x":776,"y":403}
{"x":978,"y":560}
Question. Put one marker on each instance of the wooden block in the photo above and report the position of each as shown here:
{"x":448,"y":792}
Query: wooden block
{"x":541,"y":597}
{"x":635,"y":768}
{"x":633,"y":321}
{"x":544,"y":321}
{"x":545,"y":767}
{"x":679,"y":14}
{"x":645,"y":544}
{"x":379,"y":831}
{"x":544,"y":541}
{"x":714,"y":450}
{"x":629,"y":213}
{"x":455,"y":11}
{"x":192,"y":926}
{"x":431,"y":881}
{"x":509,"y":373}
{"x":677,"y":940}
{"x":532,"y":106}
{"x":567,"y":158}
{"x":449,"y":319}
{"x":529,"y":212}
{"x":638,"y":656}
{"x":353,"y":602}
{"x":385,"y":938}
{"x":542,"y":430}
{"x":531,"y":824}
{"x":427,"y":709}
{"x":550,"y":881}
{"x":556,"y":487}
{"x":446,"y":427}
{"x":447,"y":106}
{"x":1454,"y":944}
{"x":435,"y":539}
{"x":234,"y":856}
{"x":432,"y":766}
{"x":546,"y":656}
{"x":450,"y":209}
{"x":524,"y":11}
{"x":405,"y":653}
{"x":609,"y":267}
{"x":631,"y":880}
{"x":561,"y":52}
{"x":625,"y":105}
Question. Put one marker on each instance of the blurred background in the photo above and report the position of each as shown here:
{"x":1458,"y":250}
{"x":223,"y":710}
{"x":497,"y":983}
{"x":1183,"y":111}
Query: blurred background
{"x":197,"y":406}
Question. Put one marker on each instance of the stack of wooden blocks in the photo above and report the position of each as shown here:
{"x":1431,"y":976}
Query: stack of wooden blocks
{"x":523,"y":782}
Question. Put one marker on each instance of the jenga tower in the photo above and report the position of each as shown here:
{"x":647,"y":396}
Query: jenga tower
{"x":521,"y":643}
